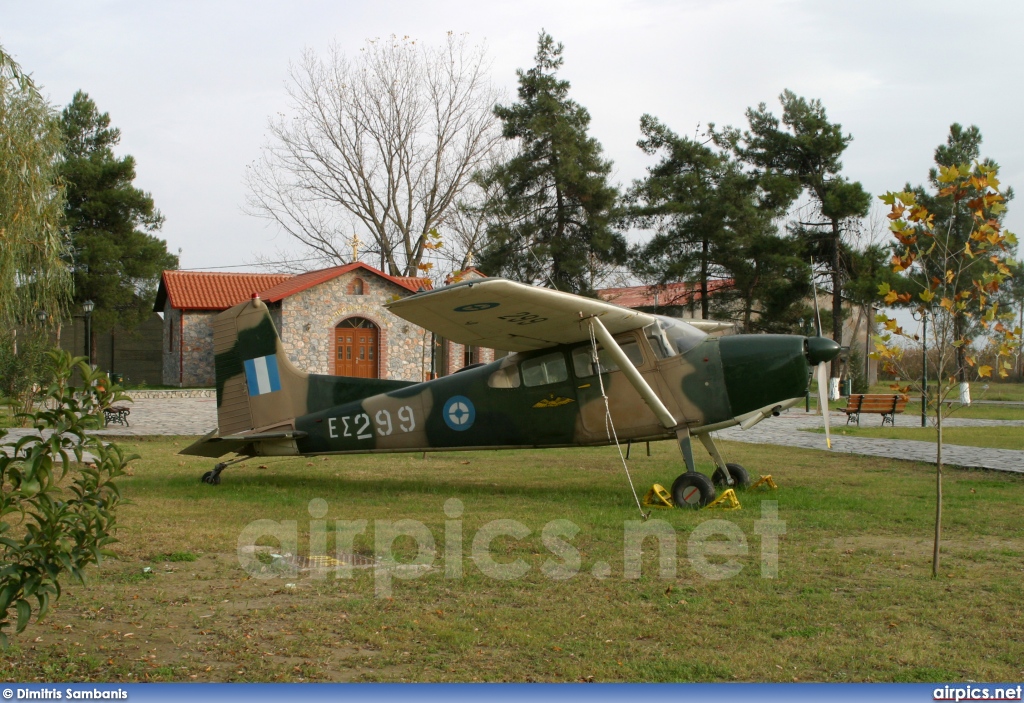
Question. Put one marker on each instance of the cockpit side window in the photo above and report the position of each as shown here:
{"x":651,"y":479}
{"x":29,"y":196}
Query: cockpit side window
{"x":543,"y":370}
{"x":583,"y":358}
{"x":660,"y":343}
{"x":507,"y":375}
{"x":682,"y":337}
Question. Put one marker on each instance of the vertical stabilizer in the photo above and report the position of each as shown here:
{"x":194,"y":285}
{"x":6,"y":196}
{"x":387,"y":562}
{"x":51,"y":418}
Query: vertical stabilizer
{"x":257,"y":387}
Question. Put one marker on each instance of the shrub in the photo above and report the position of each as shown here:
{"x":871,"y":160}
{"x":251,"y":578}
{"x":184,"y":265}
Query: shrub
{"x":57,"y":513}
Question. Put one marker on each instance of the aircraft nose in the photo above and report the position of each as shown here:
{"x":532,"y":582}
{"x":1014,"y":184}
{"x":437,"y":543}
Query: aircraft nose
{"x":820,"y":349}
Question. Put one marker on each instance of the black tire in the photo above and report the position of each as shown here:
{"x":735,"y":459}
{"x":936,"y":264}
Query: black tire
{"x":740,"y":477}
{"x":211,"y":478}
{"x":692,"y":491}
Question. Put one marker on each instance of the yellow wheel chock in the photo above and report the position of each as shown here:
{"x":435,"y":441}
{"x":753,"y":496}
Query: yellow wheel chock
{"x":658,"y":497}
{"x":764,"y":483}
{"x":726,"y":501}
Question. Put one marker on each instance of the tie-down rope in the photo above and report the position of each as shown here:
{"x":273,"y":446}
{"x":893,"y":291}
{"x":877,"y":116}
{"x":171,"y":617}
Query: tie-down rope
{"x":609,"y":425}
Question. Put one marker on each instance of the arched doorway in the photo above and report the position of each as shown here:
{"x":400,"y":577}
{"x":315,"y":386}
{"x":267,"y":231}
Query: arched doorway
{"x":355,"y":348}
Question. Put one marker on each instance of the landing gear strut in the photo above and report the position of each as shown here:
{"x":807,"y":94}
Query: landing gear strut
{"x":726,"y":475}
{"x":695,"y":490}
{"x":213,"y":477}
{"x":692,"y":489}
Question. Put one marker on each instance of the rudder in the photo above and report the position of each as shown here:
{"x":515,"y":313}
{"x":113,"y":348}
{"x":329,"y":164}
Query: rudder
{"x":257,"y":387}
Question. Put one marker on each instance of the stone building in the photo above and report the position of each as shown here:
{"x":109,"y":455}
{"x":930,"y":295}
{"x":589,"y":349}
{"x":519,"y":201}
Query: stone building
{"x":331,"y":321}
{"x":189,"y":300}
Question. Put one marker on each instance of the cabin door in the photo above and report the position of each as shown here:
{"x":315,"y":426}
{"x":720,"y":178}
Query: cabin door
{"x":356,"y":348}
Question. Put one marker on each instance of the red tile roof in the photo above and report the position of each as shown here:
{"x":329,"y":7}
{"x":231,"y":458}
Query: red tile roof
{"x":206,"y":290}
{"x":303,"y":281}
{"x":664,"y":295}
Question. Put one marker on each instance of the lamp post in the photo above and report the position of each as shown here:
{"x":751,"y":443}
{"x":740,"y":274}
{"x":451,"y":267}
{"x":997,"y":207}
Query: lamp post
{"x":923,"y":317}
{"x":88,"y":306}
{"x":41,"y":316}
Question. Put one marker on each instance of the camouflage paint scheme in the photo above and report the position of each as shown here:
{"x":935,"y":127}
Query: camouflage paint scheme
{"x":715,"y":383}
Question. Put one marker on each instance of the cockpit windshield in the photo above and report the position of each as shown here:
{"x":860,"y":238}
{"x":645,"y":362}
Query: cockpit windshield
{"x":669,"y":337}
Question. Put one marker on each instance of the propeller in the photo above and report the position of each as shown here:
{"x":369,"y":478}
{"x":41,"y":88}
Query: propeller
{"x":821,"y":350}
{"x":822,"y":374}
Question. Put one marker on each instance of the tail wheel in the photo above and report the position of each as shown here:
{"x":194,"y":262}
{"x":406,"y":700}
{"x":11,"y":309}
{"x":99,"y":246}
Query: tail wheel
{"x":692,"y":490}
{"x":740,"y":477}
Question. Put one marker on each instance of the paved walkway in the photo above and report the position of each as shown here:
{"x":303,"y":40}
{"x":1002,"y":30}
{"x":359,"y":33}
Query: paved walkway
{"x":789,"y":430}
{"x":197,"y":416}
{"x":168,"y":416}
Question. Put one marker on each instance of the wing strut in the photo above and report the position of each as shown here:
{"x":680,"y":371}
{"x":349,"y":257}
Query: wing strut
{"x":637,"y":381}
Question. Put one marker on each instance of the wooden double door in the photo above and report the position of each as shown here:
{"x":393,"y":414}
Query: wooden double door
{"x":356,"y":348}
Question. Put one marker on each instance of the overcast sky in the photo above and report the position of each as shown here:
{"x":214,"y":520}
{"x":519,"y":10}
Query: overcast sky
{"x":191,"y":84}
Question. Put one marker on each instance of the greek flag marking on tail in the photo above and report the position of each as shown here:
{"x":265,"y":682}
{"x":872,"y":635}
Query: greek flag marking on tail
{"x":261,"y":375}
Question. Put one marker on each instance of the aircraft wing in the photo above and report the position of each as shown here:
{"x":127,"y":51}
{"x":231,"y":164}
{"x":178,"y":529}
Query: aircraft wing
{"x":502,"y":314}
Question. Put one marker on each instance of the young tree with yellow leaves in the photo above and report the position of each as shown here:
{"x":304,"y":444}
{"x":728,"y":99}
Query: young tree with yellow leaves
{"x":954,"y":283}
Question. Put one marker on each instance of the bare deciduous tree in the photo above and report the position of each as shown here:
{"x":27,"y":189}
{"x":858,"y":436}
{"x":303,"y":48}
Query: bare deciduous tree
{"x":381,"y":144}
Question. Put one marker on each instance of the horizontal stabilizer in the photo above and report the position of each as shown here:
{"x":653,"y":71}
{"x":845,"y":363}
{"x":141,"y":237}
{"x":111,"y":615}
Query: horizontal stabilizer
{"x":214,"y":446}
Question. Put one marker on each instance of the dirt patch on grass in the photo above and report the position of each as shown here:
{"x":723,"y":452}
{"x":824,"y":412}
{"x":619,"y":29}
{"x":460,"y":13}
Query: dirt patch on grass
{"x":205,"y":620}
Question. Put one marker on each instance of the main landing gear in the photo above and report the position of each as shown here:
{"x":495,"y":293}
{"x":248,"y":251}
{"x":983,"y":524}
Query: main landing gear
{"x":213,"y":477}
{"x":695,"y":490}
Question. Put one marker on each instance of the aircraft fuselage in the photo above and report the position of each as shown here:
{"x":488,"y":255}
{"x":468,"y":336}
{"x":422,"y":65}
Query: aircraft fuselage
{"x":554,"y":398}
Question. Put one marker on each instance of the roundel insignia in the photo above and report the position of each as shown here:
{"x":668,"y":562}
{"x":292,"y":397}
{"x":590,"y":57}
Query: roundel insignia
{"x":459,"y":413}
{"x":476,"y":307}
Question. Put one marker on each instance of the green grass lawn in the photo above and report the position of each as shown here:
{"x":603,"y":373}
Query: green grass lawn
{"x":913,"y":409}
{"x":992,"y":437}
{"x":853,"y":599}
{"x":980,"y":390}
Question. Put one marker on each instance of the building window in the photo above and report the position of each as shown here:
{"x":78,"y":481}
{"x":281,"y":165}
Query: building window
{"x":170,"y":336}
{"x":356,"y":287}
{"x":470,"y":355}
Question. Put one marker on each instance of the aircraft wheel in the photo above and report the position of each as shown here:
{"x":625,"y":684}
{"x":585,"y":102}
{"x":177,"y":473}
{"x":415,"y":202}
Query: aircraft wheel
{"x":740,"y":477}
{"x":693,"y":490}
{"x":212,"y":478}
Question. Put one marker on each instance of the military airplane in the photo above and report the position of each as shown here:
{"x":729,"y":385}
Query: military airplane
{"x":573,"y":364}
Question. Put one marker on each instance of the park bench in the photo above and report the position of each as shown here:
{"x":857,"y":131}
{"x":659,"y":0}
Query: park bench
{"x":116,"y":413}
{"x":884,"y":404}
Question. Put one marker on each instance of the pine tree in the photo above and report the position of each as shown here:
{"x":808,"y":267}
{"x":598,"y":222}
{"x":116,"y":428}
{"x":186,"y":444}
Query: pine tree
{"x":116,"y":261}
{"x":806,"y":148}
{"x":552,"y":209}
{"x":712,"y":221}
